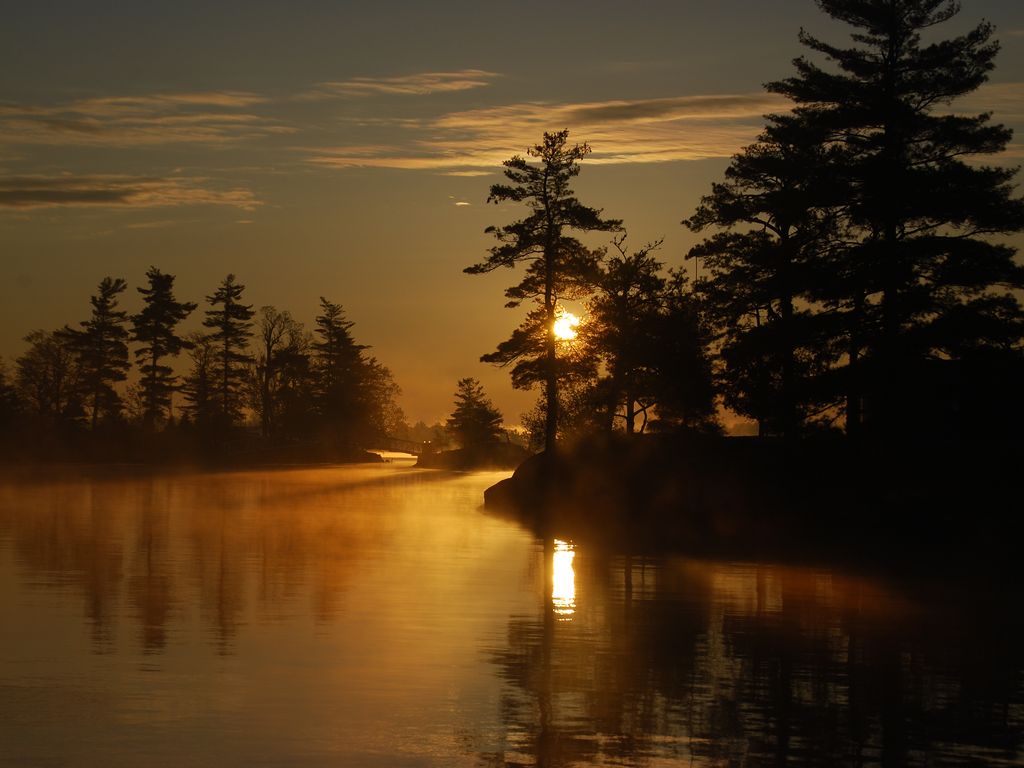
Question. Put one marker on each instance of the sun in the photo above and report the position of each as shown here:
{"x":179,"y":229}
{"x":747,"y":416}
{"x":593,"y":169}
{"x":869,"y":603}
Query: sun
{"x":565,"y":326}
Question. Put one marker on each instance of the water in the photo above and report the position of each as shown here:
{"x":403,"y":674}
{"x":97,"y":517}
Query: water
{"x":376,"y":616}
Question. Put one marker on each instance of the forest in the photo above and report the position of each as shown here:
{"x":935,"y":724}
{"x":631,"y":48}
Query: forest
{"x":855,"y":278}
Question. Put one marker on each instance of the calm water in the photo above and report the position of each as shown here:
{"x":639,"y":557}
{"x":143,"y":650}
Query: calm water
{"x":375,"y":616}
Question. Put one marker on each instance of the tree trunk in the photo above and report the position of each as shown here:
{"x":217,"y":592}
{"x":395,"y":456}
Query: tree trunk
{"x":854,"y":411}
{"x":550,"y":349}
{"x":630,"y":412}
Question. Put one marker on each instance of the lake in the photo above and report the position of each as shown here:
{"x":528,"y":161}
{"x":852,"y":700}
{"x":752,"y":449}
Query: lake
{"x":376,"y":615}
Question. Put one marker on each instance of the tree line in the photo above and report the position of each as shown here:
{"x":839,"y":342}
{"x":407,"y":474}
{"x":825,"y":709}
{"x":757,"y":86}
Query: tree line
{"x":319,"y":387}
{"x":854,"y":269}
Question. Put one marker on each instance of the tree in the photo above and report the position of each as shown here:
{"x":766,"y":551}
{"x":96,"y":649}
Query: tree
{"x":381,"y":414}
{"x":644,"y":330}
{"x":356,"y":395}
{"x":154,"y":328}
{"x":280,"y":380}
{"x":475,"y":423}
{"x":230,"y":324}
{"x":10,"y":403}
{"x":47,"y":377}
{"x":920,"y":205}
{"x":777,"y":224}
{"x":557,"y":264}
{"x":101,"y":351}
{"x":200,"y":385}
{"x":623,"y":315}
{"x":337,"y":365}
{"x":679,"y":367}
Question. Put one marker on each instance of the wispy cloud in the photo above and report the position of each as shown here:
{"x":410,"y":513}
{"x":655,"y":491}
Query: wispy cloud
{"x":214,"y":118}
{"x":1004,"y":100}
{"x":39,"y":191}
{"x":620,"y":131}
{"x":419,"y":84}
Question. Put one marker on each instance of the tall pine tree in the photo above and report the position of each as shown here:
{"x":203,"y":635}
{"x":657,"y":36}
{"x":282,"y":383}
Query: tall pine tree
{"x":101,"y":351}
{"x":475,"y":423}
{"x":557,"y":263}
{"x":924,"y":280}
{"x":154,"y":328}
{"x":230,"y":322}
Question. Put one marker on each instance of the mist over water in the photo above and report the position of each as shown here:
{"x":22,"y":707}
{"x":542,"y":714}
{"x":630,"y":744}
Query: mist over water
{"x":375,"y":615}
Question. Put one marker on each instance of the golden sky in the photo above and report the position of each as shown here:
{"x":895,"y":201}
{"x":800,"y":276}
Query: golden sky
{"x":346,"y":149}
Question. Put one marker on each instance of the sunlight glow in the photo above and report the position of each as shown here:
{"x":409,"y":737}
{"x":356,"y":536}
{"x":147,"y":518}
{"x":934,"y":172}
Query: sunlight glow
{"x":563,"y":580}
{"x":565,"y":326}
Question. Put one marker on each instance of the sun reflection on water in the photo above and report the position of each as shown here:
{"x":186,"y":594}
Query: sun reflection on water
{"x":563,"y":580}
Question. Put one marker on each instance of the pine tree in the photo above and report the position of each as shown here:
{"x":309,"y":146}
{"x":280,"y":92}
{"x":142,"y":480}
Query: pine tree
{"x":475,"y":423}
{"x":154,"y":328}
{"x":924,"y":280}
{"x":101,"y":352}
{"x":230,"y":324}
{"x":776,"y":225}
{"x":557,"y":264}
{"x":338,"y":368}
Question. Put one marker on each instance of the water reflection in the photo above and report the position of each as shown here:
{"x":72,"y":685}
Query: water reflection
{"x":563,"y":580}
{"x":709,"y":664}
{"x":370,"y":616}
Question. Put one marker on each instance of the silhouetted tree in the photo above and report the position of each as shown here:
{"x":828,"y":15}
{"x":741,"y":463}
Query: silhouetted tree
{"x":356,"y":395}
{"x":623,"y":317}
{"x":777,"y":225}
{"x":680,"y":369}
{"x":230,"y":324}
{"x":10,"y":403}
{"x":920,"y":204}
{"x":582,"y":411}
{"x":200,"y":385}
{"x":558,"y":264}
{"x":337,"y":364}
{"x":101,"y":351}
{"x":475,"y":423}
{"x":380,"y":392}
{"x":154,"y":327}
{"x":47,"y":377}
{"x":280,"y":383}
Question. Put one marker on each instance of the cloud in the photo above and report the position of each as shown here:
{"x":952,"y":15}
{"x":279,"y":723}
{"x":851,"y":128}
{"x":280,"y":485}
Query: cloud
{"x":461,"y":203}
{"x":467,"y":174}
{"x":467,"y":142}
{"x":197,"y":118}
{"x":678,"y":108}
{"x":1004,"y":100}
{"x":420,"y":84}
{"x":39,"y":191}
{"x":619,"y":131}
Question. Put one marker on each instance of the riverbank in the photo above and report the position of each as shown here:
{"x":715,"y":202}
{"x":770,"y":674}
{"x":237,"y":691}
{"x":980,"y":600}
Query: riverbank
{"x":756,"y":498}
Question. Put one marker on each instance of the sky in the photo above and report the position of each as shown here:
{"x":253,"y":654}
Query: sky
{"x":346,"y":150}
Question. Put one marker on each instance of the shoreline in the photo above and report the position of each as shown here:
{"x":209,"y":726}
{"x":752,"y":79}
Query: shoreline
{"x":916,"y":502}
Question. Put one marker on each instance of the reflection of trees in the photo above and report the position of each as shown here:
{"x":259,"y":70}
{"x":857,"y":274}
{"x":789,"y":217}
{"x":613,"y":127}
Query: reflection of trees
{"x":732,"y":665}
{"x":68,"y":540}
{"x":238,"y":547}
{"x":151,"y":582}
